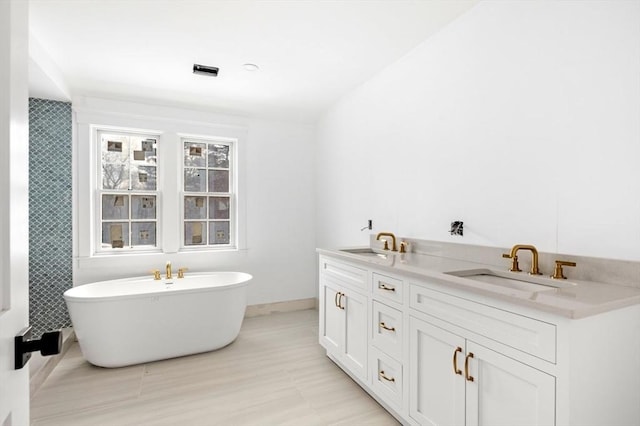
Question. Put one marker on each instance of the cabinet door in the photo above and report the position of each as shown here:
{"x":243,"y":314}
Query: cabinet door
{"x":331,"y":319}
{"x":355,"y":342}
{"x":507,"y":392}
{"x":437,"y":392}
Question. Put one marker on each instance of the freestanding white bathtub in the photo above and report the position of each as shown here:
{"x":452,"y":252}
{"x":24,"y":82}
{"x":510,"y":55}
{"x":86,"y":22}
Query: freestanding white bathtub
{"x":136,"y":320}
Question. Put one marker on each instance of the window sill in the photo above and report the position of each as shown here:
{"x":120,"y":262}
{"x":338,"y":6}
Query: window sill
{"x":144,"y":261}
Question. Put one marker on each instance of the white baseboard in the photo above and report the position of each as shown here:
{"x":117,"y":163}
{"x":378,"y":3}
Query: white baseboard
{"x":286,"y":306}
{"x":40,"y":367}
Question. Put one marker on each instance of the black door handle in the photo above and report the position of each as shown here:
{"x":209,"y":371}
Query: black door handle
{"x":49,"y":344}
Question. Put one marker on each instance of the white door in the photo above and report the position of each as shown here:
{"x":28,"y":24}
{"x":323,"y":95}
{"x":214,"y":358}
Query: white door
{"x":331,"y":319}
{"x":437,"y":384}
{"x":506,"y":392}
{"x":14,"y":207}
{"x":355,"y":340}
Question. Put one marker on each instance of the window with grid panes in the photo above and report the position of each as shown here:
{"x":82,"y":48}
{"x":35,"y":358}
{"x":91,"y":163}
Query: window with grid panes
{"x":209,"y":193}
{"x":128,"y":191}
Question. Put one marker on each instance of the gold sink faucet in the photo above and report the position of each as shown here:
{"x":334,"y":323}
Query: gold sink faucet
{"x":514,"y":257}
{"x":393,"y":240}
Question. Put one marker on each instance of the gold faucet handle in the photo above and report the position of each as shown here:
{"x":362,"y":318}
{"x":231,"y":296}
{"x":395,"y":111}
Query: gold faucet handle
{"x":558,"y":273}
{"x":403,"y":246}
{"x":156,"y":274}
{"x":514,"y":262}
{"x":386,"y":244}
{"x":181,"y":272}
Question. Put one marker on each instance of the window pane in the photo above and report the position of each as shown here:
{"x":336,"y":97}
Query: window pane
{"x":219,"y":207}
{"x":194,"y":180}
{"x":143,"y":178}
{"x":143,"y":234}
{"x":195,"y":233}
{"x":115,"y":162}
{"x":115,"y":234}
{"x":195,"y":208}
{"x":219,"y":156}
{"x":143,"y":206}
{"x":194,"y":154}
{"x":144,"y":151}
{"x":218,"y":181}
{"x":115,"y":207}
{"x":219,"y":232}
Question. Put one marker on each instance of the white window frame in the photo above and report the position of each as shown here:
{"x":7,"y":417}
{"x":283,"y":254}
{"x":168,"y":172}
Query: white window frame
{"x":99,"y":191}
{"x":233,"y":190}
{"x":171,"y":124}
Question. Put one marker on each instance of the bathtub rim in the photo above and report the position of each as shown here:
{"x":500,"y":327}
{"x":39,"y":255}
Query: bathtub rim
{"x":158,"y":292}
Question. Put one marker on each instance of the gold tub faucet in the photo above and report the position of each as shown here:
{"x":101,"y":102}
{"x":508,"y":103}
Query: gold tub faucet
{"x":181,"y":272}
{"x":393,"y":240}
{"x":168,"y":270}
{"x":514,"y":257}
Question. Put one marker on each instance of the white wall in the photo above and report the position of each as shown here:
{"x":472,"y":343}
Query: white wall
{"x":281,"y":211}
{"x":521,"y":118}
{"x":278,"y":239}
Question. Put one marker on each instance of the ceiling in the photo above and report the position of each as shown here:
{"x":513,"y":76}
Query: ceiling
{"x":310,"y":52}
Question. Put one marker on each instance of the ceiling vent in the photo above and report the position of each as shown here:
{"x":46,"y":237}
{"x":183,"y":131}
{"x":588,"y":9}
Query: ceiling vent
{"x":205,"y":70}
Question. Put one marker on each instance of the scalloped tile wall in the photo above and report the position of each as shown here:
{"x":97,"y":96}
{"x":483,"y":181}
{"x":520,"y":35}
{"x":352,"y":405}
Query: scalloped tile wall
{"x":50,"y":213}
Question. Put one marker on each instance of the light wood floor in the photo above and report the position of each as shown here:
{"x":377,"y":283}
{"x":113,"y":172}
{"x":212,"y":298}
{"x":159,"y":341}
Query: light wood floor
{"x":275,"y":373}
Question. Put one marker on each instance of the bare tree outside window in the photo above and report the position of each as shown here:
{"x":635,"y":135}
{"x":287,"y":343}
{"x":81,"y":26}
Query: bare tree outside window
{"x":128,"y":190}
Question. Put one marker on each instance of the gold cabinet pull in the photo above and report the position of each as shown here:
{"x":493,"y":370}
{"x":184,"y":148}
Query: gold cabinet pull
{"x":388,"y":379}
{"x":340,"y":301}
{"x":383,"y":286}
{"x":455,"y":361}
{"x":335,"y":299}
{"x":466,"y":367}
{"x":383,"y":325}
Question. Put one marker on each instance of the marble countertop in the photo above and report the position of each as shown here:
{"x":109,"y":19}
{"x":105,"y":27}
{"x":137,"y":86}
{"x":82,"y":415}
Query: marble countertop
{"x":573,"y":299}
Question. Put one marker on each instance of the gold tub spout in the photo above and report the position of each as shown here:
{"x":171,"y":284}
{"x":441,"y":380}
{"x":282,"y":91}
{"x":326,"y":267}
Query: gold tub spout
{"x":168,"y":270}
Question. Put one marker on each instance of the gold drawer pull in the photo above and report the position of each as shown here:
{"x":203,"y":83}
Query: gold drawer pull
{"x":383,"y":325}
{"x":340,"y":301}
{"x":383,"y":286}
{"x":335,"y":299}
{"x":388,"y":379}
{"x":466,"y":367}
{"x":455,"y":361}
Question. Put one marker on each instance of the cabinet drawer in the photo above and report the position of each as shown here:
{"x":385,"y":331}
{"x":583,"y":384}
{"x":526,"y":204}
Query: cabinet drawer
{"x":532,"y":336}
{"x":343,"y":273}
{"x":387,"y":329}
{"x":387,"y":287}
{"x":387,"y":378}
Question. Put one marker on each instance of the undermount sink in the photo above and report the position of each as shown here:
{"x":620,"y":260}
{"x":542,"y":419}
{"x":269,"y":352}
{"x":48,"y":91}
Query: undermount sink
{"x":365,"y":251}
{"x":513,"y":280}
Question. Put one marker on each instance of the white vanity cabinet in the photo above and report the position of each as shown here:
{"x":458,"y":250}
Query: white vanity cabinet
{"x":435,"y":353}
{"x":388,"y":340}
{"x":344,"y":315}
{"x":455,"y":381}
